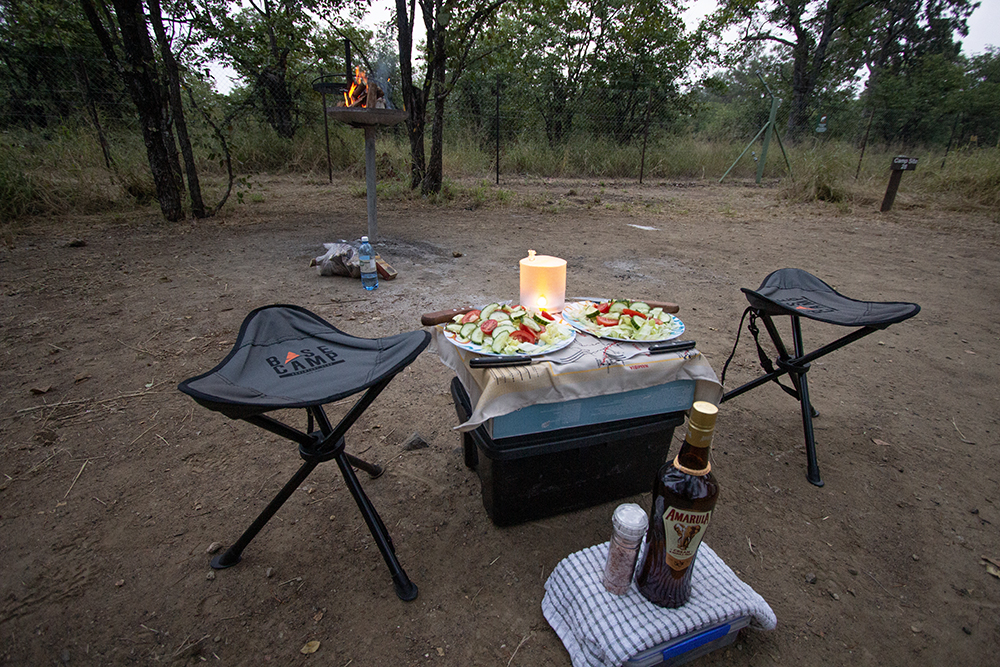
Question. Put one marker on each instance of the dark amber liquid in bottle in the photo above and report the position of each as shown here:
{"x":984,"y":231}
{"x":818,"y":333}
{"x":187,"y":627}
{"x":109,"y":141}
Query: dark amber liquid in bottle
{"x":663,"y":579}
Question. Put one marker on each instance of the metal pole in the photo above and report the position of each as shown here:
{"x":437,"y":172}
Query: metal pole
{"x":951,"y":138}
{"x":326,"y":133}
{"x":645,"y":137}
{"x":498,"y":129}
{"x":864,"y":143}
{"x":767,"y":135}
{"x":370,"y":181}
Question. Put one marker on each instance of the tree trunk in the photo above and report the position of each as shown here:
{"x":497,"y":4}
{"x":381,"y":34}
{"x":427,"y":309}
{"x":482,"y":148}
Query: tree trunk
{"x":276,"y":99}
{"x":173,"y":87}
{"x":140,"y":77}
{"x":435,"y":166}
{"x":412,"y":98}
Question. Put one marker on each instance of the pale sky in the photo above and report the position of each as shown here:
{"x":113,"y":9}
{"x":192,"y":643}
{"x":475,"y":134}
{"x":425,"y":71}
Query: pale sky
{"x":983,"y":30}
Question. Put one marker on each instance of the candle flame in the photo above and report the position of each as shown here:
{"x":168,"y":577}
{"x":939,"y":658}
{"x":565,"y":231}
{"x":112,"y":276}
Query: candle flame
{"x":541,"y":301}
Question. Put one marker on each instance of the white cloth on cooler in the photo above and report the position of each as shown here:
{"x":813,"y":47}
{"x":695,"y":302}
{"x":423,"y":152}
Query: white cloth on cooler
{"x":600,"y":629}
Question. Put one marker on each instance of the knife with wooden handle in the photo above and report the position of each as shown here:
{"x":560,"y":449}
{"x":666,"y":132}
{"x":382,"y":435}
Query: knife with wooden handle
{"x":442,"y":316}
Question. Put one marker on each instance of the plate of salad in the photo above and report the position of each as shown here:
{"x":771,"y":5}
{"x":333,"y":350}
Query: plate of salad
{"x":500,"y":329}
{"x":623,"y":320}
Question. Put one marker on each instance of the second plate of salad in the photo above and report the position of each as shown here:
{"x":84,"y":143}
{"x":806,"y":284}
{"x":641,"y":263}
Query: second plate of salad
{"x":623,"y":320}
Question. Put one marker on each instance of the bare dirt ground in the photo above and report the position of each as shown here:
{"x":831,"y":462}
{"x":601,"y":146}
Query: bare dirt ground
{"x":114,"y":485}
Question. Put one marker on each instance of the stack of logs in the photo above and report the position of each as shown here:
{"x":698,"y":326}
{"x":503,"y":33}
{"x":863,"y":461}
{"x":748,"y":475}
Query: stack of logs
{"x":364,"y":94}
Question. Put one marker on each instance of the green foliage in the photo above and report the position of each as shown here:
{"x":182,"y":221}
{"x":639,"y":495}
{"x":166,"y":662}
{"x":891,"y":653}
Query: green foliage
{"x":51,"y":65}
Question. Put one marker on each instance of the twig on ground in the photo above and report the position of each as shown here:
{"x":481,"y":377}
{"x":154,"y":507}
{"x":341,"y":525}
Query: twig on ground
{"x":879,"y":583}
{"x":526,"y":638}
{"x":140,"y":435}
{"x":76,"y":478}
{"x":960,"y":436}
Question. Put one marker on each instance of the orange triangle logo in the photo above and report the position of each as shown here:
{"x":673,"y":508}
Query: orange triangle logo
{"x":291,"y":355}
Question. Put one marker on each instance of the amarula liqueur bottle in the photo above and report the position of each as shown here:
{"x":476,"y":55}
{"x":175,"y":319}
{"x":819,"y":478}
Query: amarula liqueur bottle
{"x":683,"y":500}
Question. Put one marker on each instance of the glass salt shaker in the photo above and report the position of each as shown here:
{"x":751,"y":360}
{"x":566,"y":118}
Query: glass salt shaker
{"x":629,"y":527}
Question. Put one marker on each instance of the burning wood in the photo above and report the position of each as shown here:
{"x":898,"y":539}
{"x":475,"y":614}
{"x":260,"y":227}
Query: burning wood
{"x":362,"y":94}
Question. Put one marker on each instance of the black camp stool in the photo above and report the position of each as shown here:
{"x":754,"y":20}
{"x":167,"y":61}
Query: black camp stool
{"x":798,"y":294}
{"x":287,"y":357}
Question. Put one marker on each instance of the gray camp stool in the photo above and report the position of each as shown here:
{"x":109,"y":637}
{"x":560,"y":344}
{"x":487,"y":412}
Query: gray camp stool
{"x":797,"y":294}
{"x":287,"y":357}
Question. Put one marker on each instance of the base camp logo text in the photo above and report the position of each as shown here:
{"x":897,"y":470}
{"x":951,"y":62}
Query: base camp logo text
{"x":304,"y":361}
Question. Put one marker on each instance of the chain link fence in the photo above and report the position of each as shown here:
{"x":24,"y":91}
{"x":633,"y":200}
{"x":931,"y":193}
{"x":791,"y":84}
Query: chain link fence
{"x":72,"y":102}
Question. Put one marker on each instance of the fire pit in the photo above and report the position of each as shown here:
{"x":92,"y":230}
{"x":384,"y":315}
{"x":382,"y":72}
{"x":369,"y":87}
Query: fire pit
{"x":364,"y":108}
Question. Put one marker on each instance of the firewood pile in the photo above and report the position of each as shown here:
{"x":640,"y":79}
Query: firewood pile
{"x":363,"y":94}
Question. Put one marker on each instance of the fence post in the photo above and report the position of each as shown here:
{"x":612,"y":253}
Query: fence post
{"x":645,"y":137}
{"x":954,"y":127}
{"x":498,"y":129}
{"x":864,"y":143}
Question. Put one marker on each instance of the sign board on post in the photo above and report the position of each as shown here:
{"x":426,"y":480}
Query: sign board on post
{"x":900,"y":163}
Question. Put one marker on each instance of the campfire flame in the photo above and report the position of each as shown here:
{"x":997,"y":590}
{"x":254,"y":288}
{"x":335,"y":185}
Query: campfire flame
{"x":360,"y":96}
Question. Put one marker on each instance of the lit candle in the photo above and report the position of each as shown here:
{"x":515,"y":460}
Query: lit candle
{"x":543,"y":282}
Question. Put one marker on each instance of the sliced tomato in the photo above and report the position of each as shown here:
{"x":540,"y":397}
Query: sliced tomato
{"x":470,"y":316}
{"x":607,"y":321}
{"x":488,"y":326}
{"x":547,"y":316}
{"x":523,"y":336}
{"x":604,"y":307}
{"x":633,"y":313}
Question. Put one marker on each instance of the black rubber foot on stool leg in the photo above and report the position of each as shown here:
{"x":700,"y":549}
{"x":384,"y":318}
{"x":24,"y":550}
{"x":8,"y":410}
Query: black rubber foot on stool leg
{"x":225,"y":559}
{"x":405,"y":590}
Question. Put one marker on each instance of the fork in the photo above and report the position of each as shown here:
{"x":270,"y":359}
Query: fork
{"x":576,"y":356}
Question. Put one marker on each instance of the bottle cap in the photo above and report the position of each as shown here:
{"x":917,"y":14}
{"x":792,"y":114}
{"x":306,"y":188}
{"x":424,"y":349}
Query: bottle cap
{"x":630,"y":520}
{"x":364,"y":239}
{"x":703,"y":416}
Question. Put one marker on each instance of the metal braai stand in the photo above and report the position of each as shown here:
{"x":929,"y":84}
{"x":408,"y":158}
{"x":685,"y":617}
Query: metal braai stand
{"x":369,"y":120}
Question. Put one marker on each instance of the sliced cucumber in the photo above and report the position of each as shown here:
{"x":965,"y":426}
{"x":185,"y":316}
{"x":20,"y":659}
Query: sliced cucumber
{"x":531,"y":324}
{"x":453,"y":327}
{"x":617,"y":307}
{"x":500,"y":341}
{"x":458,"y":318}
{"x":499,"y":316}
{"x":467,"y":329}
{"x":477,"y":336}
{"x":485,"y":315}
{"x":640,"y":306}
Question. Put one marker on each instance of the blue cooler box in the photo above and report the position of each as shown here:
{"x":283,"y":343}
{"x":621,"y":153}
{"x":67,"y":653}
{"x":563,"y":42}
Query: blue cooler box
{"x":690,"y":646}
{"x":548,"y":459}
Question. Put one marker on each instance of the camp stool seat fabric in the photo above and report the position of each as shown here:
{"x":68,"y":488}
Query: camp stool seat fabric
{"x":799,"y":294}
{"x":287,"y":357}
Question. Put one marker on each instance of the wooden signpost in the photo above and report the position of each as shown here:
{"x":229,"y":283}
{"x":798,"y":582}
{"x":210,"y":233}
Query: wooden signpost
{"x":900,"y":163}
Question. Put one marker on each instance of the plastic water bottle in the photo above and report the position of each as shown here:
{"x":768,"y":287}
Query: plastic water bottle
{"x":369,"y":274}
